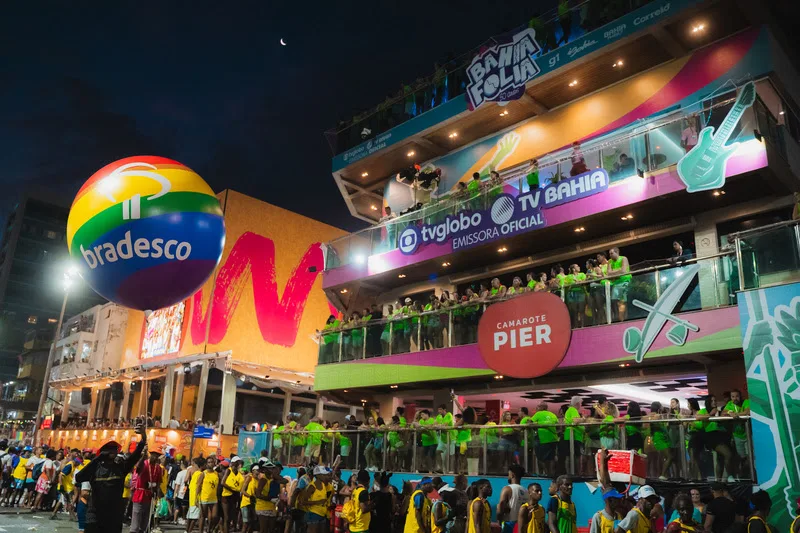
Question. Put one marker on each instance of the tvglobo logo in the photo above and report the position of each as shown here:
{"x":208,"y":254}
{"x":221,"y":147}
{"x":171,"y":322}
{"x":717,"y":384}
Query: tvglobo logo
{"x":126,"y":248}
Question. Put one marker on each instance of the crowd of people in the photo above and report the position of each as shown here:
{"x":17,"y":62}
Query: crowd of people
{"x":212,"y":494}
{"x":547,"y":442}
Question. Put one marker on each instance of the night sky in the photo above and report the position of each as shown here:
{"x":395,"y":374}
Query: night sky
{"x":207,"y":83}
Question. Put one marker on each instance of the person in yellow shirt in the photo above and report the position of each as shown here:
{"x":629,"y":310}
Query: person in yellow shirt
{"x":193,"y":474}
{"x":232,"y":483}
{"x":316,"y":499}
{"x":20,"y":474}
{"x":638,"y":519}
{"x":248,"y":501}
{"x":480,"y":514}
{"x":66,"y":483}
{"x":267,"y":494}
{"x":207,"y":485}
{"x":418,"y":519}
{"x":531,"y":514}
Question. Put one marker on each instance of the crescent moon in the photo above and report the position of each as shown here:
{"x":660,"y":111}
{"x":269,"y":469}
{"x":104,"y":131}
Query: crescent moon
{"x":283,"y":43}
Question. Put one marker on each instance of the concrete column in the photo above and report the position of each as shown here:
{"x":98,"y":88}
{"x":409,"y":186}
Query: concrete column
{"x":320,"y":407}
{"x":228,"y":405}
{"x":93,"y":406}
{"x":389,"y":405}
{"x":712,"y":290}
{"x":178,"y":404}
{"x":126,"y":397}
{"x":353,"y":410}
{"x":65,"y":407}
{"x":287,"y":405}
{"x":201,"y":393}
{"x":166,"y":395}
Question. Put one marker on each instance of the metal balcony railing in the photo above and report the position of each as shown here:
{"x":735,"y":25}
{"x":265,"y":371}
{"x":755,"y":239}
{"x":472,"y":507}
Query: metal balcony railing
{"x":768,"y":256}
{"x":634,"y":149}
{"x":489,"y":449}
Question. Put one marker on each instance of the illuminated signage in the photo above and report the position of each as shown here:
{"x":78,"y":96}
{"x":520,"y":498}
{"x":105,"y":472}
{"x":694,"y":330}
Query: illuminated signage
{"x":163,"y":331}
{"x":525,"y":337}
{"x":507,"y":215}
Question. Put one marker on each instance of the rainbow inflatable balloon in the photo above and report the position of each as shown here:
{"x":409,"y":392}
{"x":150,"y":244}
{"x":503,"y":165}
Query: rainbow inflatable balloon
{"x":146,"y":231}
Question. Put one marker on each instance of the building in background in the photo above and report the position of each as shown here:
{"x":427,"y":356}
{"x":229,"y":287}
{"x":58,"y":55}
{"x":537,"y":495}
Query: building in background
{"x":33,"y":254}
{"x":241,"y":350}
{"x":635,"y":126}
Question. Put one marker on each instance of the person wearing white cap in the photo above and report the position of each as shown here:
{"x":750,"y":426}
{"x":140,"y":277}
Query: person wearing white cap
{"x":232,"y":483}
{"x":638,"y":519}
{"x":316,"y":499}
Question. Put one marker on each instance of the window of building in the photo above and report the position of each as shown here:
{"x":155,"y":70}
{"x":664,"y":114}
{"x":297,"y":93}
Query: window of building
{"x":86,"y":351}
{"x":51,"y":234}
{"x":52,"y":320}
{"x":33,"y":319}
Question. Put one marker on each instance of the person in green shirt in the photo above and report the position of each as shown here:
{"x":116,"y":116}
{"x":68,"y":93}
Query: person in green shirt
{"x":498,"y":290}
{"x":474,"y":191}
{"x":532,"y":175}
{"x":717,"y":440}
{"x":314,"y":440}
{"x":619,"y":272}
{"x":446,"y":438}
{"x":695,"y":443}
{"x":385,"y":334}
{"x":496,"y":185}
{"x":736,"y":408}
{"x":330,"y":341}
{"x":576,"y":295}
{"x":428,"y":440}
{"x":572,"y":417}
{"x":661,"y":441}
{"x":516,"y":287}
{"x":547,"y":438}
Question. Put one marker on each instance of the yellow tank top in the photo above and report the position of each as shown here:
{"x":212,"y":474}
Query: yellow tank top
{"x":795,"y":525}
{"x":486,"y":517}
{"x":411,"y":517}
{"x":434,"y":527}
{"x":67,"y":483}
{"x":193,"y":489}
{"x":235,"y":481}
{"x":537,"y":520}
{"x":607,"y":525}
{"x":208,"y":492}
{"x":249,"y":492}
{"x":126,"y":490}
{"x":684,"y":527}
{"x":363,"y":519}
{"x":643,"y":524}
{"x":19,"y":471}
{"x":264,"y":505}
{"x":324,"y":493}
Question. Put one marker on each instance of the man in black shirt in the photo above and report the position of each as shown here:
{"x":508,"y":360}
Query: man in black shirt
{"x":721,"y":511}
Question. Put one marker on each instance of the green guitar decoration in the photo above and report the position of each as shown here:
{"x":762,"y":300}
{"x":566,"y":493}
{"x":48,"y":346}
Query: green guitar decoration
{"x":703,"y":167}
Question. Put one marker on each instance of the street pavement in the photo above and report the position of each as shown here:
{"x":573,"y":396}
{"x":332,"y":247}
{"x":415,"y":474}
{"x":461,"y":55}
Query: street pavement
{"x":22,"y":523}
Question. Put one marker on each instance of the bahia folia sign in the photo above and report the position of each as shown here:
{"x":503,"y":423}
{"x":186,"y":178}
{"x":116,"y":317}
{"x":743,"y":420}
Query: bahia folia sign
{"x":507,"y":216}
{"x":499,"y":73}
{"x":525,"y":337}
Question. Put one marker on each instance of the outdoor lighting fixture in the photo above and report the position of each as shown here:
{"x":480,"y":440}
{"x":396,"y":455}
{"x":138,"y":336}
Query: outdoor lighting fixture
{"x":374,"y":207}
{"x":781,"y":113}
{"x":392,"y":386}
{"x":504,"y":113}
{"x":411,"y":153}
{"x":618,"y":63}
{"x":502,"y":249}
{"x":359,"y":259}
{"x":698,"y":28}
{"x":364,"y":174}
{"x":623,"y":365}
{"x":363,"y":400}
{"x":445,"y":264}
{"x":343,"y":291}
{"x":401,"y":276}
{"x":627,"y":217}
{"x":187,"y":368}
{"x":345,"y":390}
{"x":453,"y":135}
{"x":573,"y":83}
{"x":499,"y":377}
{"x":718,"y":193}
{"x":580,"y":229}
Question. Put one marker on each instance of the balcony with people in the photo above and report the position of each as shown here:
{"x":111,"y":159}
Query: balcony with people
{"x":638,"y":162}
{"x":599,"y":289}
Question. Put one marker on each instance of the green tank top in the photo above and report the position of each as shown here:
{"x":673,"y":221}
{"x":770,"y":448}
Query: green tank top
{"x":566,"y":517}
{"x":616,"y":265}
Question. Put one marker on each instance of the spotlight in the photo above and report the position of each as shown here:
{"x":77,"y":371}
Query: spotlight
{"x":343,"y":291}
{"x":187,"y":368}
{"x":401,"y":276}
{"x":411,"y":153}
{"x":364,"y":174}
{"x":374,"y":207}
{"x":573,"y":83}
{"x":453,"y":135}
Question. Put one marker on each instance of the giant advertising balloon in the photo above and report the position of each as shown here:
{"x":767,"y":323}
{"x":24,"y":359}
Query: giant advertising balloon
{"x":146,"y":231}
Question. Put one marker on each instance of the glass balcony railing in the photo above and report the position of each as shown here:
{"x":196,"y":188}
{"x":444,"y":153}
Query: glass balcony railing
{"x":769,"y":256}
{"x":543,"y":450}
{"x":637,"y":148}
{"x":554,"y":29}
